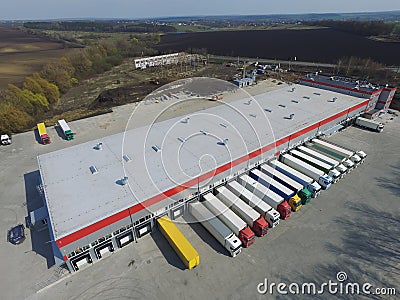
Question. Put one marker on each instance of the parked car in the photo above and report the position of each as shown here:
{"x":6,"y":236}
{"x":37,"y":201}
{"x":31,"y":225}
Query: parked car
{"x":16,"y":234}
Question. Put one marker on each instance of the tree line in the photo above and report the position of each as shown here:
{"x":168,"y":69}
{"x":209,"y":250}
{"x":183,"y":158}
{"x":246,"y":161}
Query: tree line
{"x":365,"y":28}
{"x":101,"y":26}
{"x":22,"y":106}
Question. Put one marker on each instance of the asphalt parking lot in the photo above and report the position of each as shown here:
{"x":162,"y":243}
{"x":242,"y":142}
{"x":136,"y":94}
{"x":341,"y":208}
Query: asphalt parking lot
{"x":354,"y":228}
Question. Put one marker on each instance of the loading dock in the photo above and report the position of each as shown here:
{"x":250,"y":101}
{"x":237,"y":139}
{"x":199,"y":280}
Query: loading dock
{"x":143,"y":229}
{"x":177,"y":212}
{"x":81,"y":261}
{"x":125,"y":239}
{"x":104,"y":250}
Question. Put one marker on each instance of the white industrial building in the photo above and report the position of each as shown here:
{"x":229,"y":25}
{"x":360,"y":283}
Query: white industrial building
{"x":103,"y":194}
{"x":162,"y":60}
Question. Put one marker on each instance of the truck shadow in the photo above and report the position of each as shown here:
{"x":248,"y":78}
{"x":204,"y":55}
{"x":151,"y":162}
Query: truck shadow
{"x":392,"y":183}
{"x":367,"y":253}
{"x":205,"y":236}
{"x":60,"y":132}
{"x":40,"y":240}
{"x":167,"y":250}
{"x":37,"y":136}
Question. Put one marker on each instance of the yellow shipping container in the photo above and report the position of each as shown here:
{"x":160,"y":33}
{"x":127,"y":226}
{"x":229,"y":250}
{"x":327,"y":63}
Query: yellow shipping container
{"x":177,"y":240}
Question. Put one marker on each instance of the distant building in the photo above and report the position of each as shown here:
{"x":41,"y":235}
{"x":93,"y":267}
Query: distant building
{"x":162,"y":60}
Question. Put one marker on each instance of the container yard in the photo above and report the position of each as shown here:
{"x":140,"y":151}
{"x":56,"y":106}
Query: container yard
{"x":104,"y":194}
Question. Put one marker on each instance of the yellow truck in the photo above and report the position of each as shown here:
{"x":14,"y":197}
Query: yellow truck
{"x":178,"y":242}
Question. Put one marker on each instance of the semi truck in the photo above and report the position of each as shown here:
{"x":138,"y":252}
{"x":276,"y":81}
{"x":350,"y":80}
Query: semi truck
{"x":216,"y":228}
{"x":43,"y":134}
{"x":230,"y":219}
{"x":5,"y":139}
{"x":178,"y":242}
{"x":302,"y":192}
{"x":299,"y":177}
{"x":369,"y":124}
{"x":256,"y":222}
{"x":289,"y":195}
{"x":319,"y":176}
{"x":338,"y":150}
{"x":340,"y":158}
{"x":266,"y":210}
{"x":265,"y":194}
{"x":69,"y":135}
{"x":326,"y":159}
{"x":359,"y":153}
{"x":320,"y":165}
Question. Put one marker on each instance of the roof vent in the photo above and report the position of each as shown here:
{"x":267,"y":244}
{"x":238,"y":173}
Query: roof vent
{"x":99,"y":146}
{"x":124,"y":181}
{"x":94,"y":170}
{"x":224,"y":142}
{"x":156,"y":148}
{"x":126,"y":158}
{"x":185,"y":120}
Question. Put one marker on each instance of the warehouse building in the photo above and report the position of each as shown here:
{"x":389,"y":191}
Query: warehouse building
{"x":382,"y":96}
{"x":104,"y":194}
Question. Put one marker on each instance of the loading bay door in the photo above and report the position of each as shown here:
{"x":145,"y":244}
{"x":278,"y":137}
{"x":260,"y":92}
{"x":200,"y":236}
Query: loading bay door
{"x":125,"y":239}
{"x":81,"y":261}
{"x":104,"y":250}
{"x":177,"y":212}
{"x":143,"y":229}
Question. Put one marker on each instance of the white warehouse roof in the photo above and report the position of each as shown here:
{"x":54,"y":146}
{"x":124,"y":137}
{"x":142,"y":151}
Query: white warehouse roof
{"x":77,"y":198}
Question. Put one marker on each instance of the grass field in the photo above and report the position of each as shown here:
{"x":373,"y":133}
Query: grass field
{"x":22,"y":54}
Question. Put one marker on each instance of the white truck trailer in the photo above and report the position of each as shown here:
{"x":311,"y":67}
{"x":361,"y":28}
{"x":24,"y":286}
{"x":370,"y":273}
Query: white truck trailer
{"x":319,"y":176}
{"x":69,"y":135}
{"x":301,"y":191}
{"x":305,"y":180}
{"x":326,"y":159}
{"x":230,"y":219}
{"x":289,"y":195}
{"x":266,"y":210}
{"x":338,"y":150}
{"x":320,"y":165}
{"x":369,"y":124}
{"x":219,"y":230}
{"x":265,"y":194}
{"x":340,"y":158}
{"x":256,"y":221}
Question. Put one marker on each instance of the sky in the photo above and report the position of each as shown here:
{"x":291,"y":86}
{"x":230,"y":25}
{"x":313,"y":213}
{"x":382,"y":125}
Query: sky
{"x":54,"y":9}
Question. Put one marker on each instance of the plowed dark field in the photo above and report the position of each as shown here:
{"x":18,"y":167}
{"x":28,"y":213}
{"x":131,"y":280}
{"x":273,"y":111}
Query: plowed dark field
{"x":314,"y":45}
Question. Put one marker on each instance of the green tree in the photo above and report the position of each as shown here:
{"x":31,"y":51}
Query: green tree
{"x":59,"y":73}
{"x":50,"y":90}
{"x":13,"y":119}
{"x":15,"y":96}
